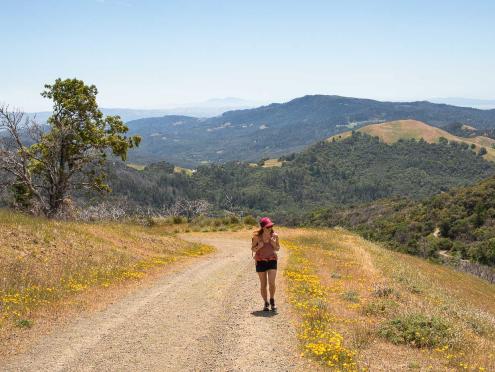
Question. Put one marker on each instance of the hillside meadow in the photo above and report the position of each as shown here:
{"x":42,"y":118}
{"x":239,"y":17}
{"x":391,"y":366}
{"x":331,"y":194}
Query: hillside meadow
{"x":363,"y":307}
{"x":393,"y":131}
{"x":47,"y":264}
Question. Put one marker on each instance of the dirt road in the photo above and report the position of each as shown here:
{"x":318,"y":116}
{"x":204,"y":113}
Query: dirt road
{"x":203,"y":317}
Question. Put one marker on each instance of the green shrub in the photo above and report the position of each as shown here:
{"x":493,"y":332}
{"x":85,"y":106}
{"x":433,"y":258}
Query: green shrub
{"x":201,"y":221}
{"x":417,"y":330}
{"x":249,"y":220}
{"x":233,"y":220}
{"x":381,"y":290}
{"x":414,"y":365}
{"x":484,"y":252}
{"x":177,"y":220}
{"x":149,"y":221}
{"x":379,"y":307}
{"x":443,"y":244}
{"x":351,"y":296}
{"x":24,"y":323}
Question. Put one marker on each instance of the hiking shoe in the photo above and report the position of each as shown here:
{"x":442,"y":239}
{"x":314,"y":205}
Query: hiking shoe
{"x":272,"y":304}
{"x":266,"y":308}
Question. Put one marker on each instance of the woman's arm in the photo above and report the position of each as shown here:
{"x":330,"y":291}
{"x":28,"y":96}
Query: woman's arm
{"x":274,"y":242}
{"x":256,"y":243}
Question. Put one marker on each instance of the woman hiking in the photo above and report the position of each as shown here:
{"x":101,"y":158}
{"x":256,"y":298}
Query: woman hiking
{"x":265,"y":244}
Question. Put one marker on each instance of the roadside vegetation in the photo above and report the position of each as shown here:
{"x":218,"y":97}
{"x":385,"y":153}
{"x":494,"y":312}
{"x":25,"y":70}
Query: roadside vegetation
{"x":45,"y":262}
{"x":358,"y":169}
{"x":179,"y":224}
{"x":459,"y":224}
{"x":363,"y":307}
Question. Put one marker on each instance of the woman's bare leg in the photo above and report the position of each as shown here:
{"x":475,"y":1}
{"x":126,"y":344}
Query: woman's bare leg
{"x":263,"y":282}
{"x":272,"y":274}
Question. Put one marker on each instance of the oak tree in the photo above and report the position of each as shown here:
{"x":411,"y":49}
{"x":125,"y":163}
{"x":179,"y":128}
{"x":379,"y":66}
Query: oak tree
{"x":47,"y":162}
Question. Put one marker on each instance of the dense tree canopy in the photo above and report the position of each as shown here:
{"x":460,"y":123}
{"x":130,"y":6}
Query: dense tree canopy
{"x":66,"y":156}
{"x":460,"y":222}
{"x":355,"y":170}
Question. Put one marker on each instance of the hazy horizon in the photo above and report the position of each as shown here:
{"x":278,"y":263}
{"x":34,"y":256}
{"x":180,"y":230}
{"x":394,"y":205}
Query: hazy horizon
{"x":159,"y":54}
{"x":482,"y":104}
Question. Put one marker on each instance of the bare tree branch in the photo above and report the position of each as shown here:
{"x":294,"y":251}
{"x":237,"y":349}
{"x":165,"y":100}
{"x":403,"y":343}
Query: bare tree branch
{"x":14,"y":156}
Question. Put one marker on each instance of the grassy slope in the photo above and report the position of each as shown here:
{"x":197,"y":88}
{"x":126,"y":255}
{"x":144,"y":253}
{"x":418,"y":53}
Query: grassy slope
{"x":392,"y":131}
{"x":136,"y":166}
{"x":177,"y":169}
{"x":272,"y":163}
{"x":43,"y":261}
{"x":345,"y":289}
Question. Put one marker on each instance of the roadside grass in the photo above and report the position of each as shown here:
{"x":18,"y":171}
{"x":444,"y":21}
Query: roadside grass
{"x":391,"y":311}
{"x":44,"y":261}
{"x":319,"y":339}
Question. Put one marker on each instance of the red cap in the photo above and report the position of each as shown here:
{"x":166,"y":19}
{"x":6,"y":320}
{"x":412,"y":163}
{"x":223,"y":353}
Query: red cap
{"x":266,"y":222}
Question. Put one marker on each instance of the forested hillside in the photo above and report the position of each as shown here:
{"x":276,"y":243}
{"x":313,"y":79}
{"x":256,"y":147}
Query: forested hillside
{"x":355,"y":170}
{"x":460,"y":223}
{"x":279,"y":129}
{"x":462,"y":130}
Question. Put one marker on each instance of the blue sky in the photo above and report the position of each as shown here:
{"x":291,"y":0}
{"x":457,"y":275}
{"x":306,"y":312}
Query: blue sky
{"x":155,"y":54}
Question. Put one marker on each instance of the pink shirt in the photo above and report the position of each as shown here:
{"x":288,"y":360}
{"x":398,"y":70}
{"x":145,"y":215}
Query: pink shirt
{"x":265,"y":253}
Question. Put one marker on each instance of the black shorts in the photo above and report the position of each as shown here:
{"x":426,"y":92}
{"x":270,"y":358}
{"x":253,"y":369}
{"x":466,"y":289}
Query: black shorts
{"x":262,"y":266}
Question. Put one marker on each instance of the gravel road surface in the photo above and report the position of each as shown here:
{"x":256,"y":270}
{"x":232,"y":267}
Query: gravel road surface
{"x":203,"y":317}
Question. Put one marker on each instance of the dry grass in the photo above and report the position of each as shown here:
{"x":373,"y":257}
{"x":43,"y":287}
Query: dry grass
{"x":177,"y":169}
{"x":392,"y":131}
{"x":136,"y":166}
{"x":43,"y":262}
{"x":368,"y":288}
{"x":187,"y":171}
{"x":272,"y":163}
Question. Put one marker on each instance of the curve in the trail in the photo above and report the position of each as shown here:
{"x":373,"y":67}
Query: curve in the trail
{"x":202,"y":317}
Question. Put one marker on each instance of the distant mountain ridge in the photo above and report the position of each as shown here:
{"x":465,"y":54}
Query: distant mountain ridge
{"x":208,"y":108}
{"x":484,"y":104}
{"x":281,"y":128}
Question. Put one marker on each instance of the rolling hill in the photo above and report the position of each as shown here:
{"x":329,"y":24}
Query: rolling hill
{"x":355,"y":170}
{"x":394,"y":131}
{"x":281,"y":128}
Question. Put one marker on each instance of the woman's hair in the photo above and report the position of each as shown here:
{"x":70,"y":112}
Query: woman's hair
{"x":260,"y":231}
